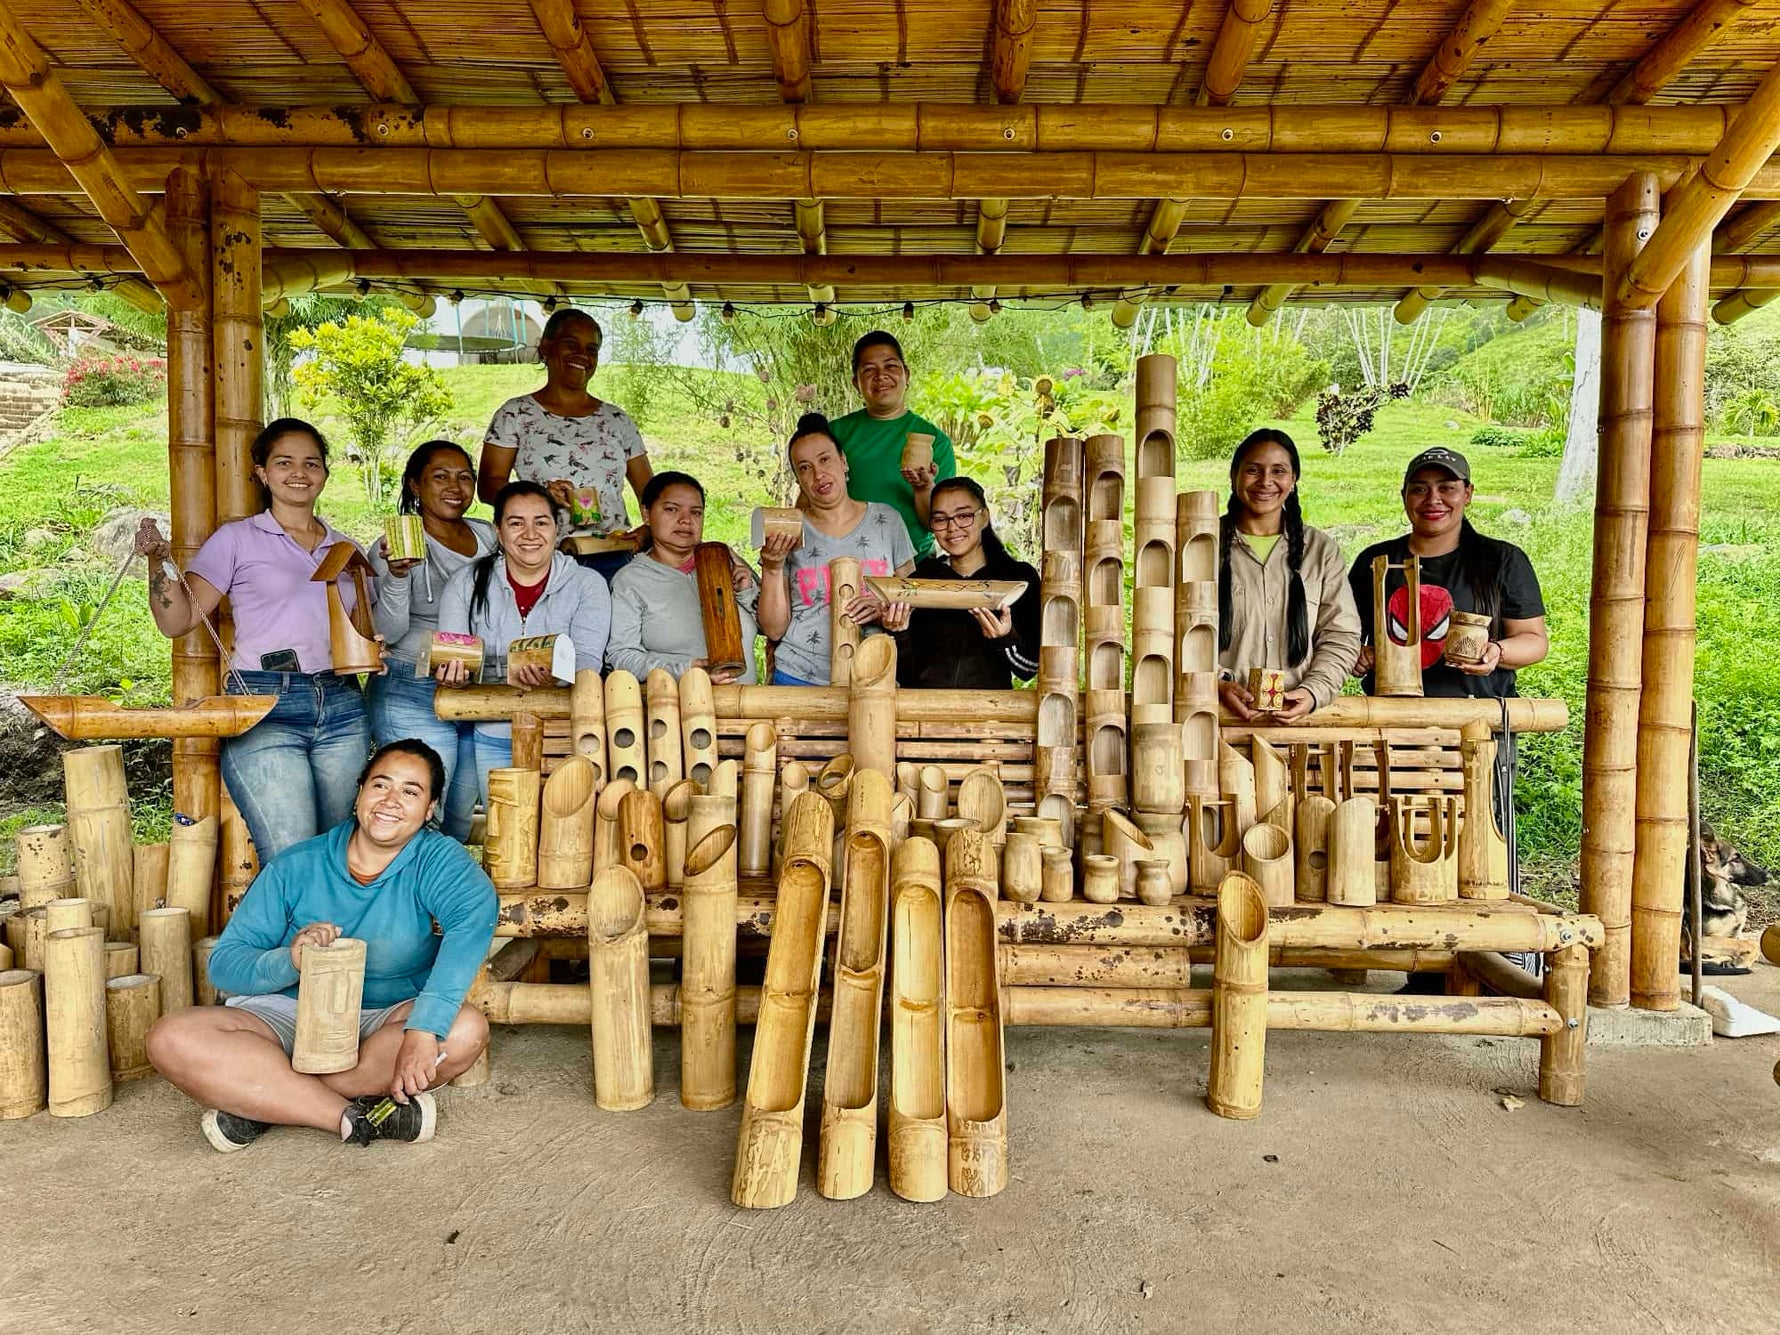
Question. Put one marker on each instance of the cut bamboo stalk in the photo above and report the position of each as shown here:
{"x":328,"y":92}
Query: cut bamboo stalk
{"x":1060,"y":620}
{"x":45,"y":864}
{"x":203,"y":990}
{"x":1126,"y":843}
{"x":587,"y":722}
{"x":770,"y":1141}
{"x":148,"y":880}
{"x":1561,"y":1053}
{"x":33,"y":932}
{"x":834,"y":785}
{"x":1352,"y":840}
{"x":843,"y":632}
{"x":1239,"y":1000}
{"x":719,"y":617}
{"x":1424,"y":870}
{"x":1168,"y":842}
{"x":526,"y":746}
{"x":624,"y":728}
{"x":1236,"y":777}
{"x":1022,"y":868}
{"x":661,"y":695}
{"x":908,"y":780}
{"x":618,"y":979}
{"x":65,"y":915}
{"x":982,"y":798}
{"x":164,"y":947}
{"x":1153,"y":600}
{"x":238,"y":862}
{"x":24,"y":1086}
{"x":1273,"y":791}
{"x":902,"y":815}
{"x":1059,"y":875}
{"x":1483,"y":852}
{"x":1103,"y":623}
{"x":191,"y":869}
{"x":759,"y":768}
{"x":74,"y":1022}
{"x":121,"y":959}
{"x":640,"y":839}
{"x":99,"y":827}
{"x":871,"y":710}
{"x":794,"y":782}
{"x":132,"y":1005}
{"x":917,"y":1120}
{"x":933,"y":801}
{"x":726,"y":780}
{"x":605,"y":822}
{"x":330,"y":993}
{"x":847,"y":1148}
{"x":698,"y":725}
{"x":1397,"y":664}
{"x":1328,"y":1012}
{"x":976,"y":1102}
{"x":1267,"y":861}
{"x":1157,"y":768}
{"x":1214,"y":843}
{"x":707,"y":988}
{"x":565,"y":827}
{"x":510,"y":844}
{"x":1316,"y":821}
{"x":676,"y":807}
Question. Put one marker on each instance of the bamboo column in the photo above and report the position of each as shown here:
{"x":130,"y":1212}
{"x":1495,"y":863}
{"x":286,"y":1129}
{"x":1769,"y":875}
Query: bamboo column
{"x":618,"y":979}
{"x":1664,"y":711}
{"x":1196,"y":638}
{"x":74,"y":1023}
{"x":587,"y":722}
{"x":565,"y":826}
{"x":1060,"y":621}
{"x":1616,"y":597}
{"x":237,"y":339}
{"x":976,"y":1099}
{"x":698,"y":725}
{"x":843,"y":632}
{"x":917,"y":1120}
{"x":1239,"y":1000}
{"x":1103,"y":640}
{"x":624,"y":728}
{"x":760,"y":763}
{"x":667,"y":760}
{"x":1483,"y":852}
{"x":24,"y":1087}
{"x":1561,"y":1055}
{"x":99,"y":828}
{"x":237,"y":863}
{"x":871,"y":707}
{"x":708,"y":949}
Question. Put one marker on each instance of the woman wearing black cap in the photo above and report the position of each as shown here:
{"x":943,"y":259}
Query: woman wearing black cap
{"x":1460,"y":571}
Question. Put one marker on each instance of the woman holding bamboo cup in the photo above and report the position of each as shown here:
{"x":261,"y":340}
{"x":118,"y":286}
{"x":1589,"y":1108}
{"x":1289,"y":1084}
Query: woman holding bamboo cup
{"x":896,"y":456}
{"x":983,"y":648}
{"x":794,"y":592}
{"x":292,"y":773}
{"x":438,"y":486}
{"x":1283,"y":599}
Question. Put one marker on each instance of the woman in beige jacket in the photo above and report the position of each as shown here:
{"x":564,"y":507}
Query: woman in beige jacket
{"x":1283,"y":597}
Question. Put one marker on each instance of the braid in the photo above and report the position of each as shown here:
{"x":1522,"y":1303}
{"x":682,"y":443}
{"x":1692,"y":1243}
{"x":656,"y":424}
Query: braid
{"x":1226,"y":534}
{"x":1297,"y":614}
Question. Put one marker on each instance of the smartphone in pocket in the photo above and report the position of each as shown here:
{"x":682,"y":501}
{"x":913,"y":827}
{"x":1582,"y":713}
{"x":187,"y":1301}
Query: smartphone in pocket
{"x":280,"y":660}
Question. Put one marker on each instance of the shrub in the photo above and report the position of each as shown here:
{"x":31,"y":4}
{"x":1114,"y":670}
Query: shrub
{"x":102,"y":382}
{"x":1500,"y":437}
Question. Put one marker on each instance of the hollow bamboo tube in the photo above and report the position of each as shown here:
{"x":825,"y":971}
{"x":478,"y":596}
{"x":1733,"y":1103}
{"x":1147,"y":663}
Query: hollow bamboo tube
{"x":1273,"y":792}
{"x":191,"y":869}
{"x":238,"y":862}
{"x":99,"y":829}
{"x":132,"y":1005}
{"x":237,"y":338}
{"x":1483,"y":853}
{"x":1060,"y":620}
{"x":618,"y":978}
{"x":74,"y":1022}
{"x":908,"y":781}
{"x":661,"y":697}
{"x":1213,"y":841}
{"x":624,"y":728}
{"x":1022,"y":868}
{"x":1236,"y":778}
{"x":759,"y":767}
{"x":527,"y":742}
{"x":1328,"y":1012}
{"x":833,"y":783}
{"x":1664,"y":710}
{"x":1155,"y":389}
{"x":203,"y":990}
{"x":698,"y":725}
{"x":148,"y":879}
{"x":640,"y":839}
{"x":1616,"y":595}
{"x":1239,"y":1000}
{"x":726,"y":780}
{"x":587,"y":722}
{"x":847,"y":1148}
{"x":982,"y":798}
{"x":330,"y":992}
{"x":932,"y":802}
{"x":1424,"y":870}
{"x":1352,"y":839}
{"x":1157,"y":768}
{"x":1397,"y":665}
{"x":976,"y":1103}
{"x":120,"y":959}
{"x":164,"y":947}
{"x":24,"y":1087}
{"x":1561,"y":1054}
{"x":605,"y":822}
{"x":510,"y":844}
{"x":676,"y":807}
{"x":1315,"y":821}
{"x":917,"y":1118}
{"x":33,"y":932}
{"x":1058,"y":885}
{"x":45,"y":864}
{"x":794,"y":782}
{"x":708,"y":950}
{"x":565,"y":826}
{"x":770,"y":1141}
{"x":871,"y":708}
{"x":63,"y":915}
{"x":1267,"y":861}
{"x":843,"y":632}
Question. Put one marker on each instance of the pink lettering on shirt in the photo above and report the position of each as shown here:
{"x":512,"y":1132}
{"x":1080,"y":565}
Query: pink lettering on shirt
{"x":812,"y":581}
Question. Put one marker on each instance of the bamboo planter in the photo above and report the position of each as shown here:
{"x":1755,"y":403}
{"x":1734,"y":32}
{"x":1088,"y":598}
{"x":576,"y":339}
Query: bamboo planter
{"x":132,"y":1005}
{"x":587,"y":722}
{"x":624,"y":728}
{"x":164,"y":948}
{"x":24,"y":1079}
{"x":708,"y":950}
{"x":1397,"y":666}
{"x":1239,"y":1000}
{"x":759,"y":772}
{"x":843,"y":632}
{"x":667,"y":766}
{"x":99,"y":829}
{"x":565,"y":829}
{"x":618,"y":981}
{"x":74,"y":1022}
{"x":917,"y":1119}
{"x":976,"y":1104}
{"x":510,"y":843}
{"x":871,"y":707}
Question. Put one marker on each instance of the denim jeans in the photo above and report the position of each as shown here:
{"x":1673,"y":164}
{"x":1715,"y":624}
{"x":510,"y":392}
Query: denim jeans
{"x":295,"y":773}
{"x":492,"y":752}
{"x":786,"y":679}
{"x":605,"y":564}
{"x":401,"y":706}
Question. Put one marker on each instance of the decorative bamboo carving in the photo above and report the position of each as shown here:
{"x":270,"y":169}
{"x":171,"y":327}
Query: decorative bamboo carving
{"x":759,"y":769}
{"x":1315,"y":825}
{"x":917,"y":1119}
{"x":74,"y":1009}
{"x":708,"y":947}
{"x":330,"y":990}
{"x":843,"y":632}
{"x":1397,"y":665}
{"x":605,"y":822}
{"x":1238,"y":1000}
{"x":587,"y":722}
{"x":164,"y":947}
{"x":565,"y":830}
{"x":510,"y":843}
{"x":1424,"y":870}
{"x":676,"y":808}
{"x":698,"y":725}
{"x":933,"y":800}
{"x":640,"y":839}
{"x":1103,"y":628}
{"x":1100,"y":878}
{"x":1267,"y":861}
{"x":24,"y":1084}
{"x":1022,"y":868}
{"x":99,"y":828}
{"x":982,"y":799}
{"x":661,"y":698}
{"x":956,"y":595}
{"x":1561,"y":1053}
{"x":624,"y":728}
{"x":976,"y":1105}
{"x":45,"y":865}
{"x":871,"y":709}
{"x":1060,"y":622}
{"x":618,"y":977}
{"x":1058,"y":886}
{"x":1483,"y":852}
{"x":721,"y":619}
{"x":1352,"y":838}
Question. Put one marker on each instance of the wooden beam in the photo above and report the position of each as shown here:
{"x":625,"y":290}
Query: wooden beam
{"x":1495,"y":222}
{"x":1676,"y":51}
{"x":788,"y":33}
{"x":358,"y":46}
{"x":1010,"y":53}
{"x":1458,"y":49}
{"x":331,"y":220}
{"x":1316,"y":239}
{"x":563,"y":29}
{"x":1230,"y":52}
{"x":149,"y":49}
{"x":1744,"y":227}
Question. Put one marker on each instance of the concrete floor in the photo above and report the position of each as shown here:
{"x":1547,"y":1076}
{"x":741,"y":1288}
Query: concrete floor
{"x":1384,"y":1188}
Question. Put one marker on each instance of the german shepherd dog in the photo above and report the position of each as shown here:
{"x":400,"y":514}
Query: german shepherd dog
{"x":1724,"y":910}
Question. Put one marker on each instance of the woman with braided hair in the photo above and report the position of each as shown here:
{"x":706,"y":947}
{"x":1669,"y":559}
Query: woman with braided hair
{"x":1283,"y":598}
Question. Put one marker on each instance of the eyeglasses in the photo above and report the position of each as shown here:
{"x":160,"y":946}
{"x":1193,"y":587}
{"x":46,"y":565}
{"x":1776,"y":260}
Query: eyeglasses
{"x":963,"y":519}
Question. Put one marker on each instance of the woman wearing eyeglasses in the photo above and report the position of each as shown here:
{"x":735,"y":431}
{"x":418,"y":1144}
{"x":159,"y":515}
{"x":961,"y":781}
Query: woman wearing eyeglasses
{"x":979,"y":649}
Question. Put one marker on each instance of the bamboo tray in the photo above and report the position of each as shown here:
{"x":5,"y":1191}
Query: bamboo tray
{"x":956,"y":595}
{"x":85,"y":718}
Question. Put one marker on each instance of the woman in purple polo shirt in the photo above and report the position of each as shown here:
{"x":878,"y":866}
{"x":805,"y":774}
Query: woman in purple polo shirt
{"x":294,"y":774}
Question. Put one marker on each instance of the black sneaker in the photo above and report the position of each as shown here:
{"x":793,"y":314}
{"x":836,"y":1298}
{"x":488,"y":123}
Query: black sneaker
{"x":379,"y":1117}
{"x":228,"y":1133}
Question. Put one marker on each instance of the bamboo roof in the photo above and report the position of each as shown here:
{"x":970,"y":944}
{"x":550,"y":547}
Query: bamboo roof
{"x":129,"y":66}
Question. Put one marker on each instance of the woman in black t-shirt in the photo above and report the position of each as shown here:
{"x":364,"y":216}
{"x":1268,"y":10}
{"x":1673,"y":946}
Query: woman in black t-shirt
{"x":1461,"y":570}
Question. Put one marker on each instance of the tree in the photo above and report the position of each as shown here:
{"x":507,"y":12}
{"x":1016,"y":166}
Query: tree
{"x":359,"y":364}
{"x":1753,"y":412}
{"x":308,"y":311}
{"x":1576,"y":473}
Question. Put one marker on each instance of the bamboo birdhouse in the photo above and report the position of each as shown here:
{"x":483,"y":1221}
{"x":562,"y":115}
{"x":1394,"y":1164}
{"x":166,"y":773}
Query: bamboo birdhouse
{"x":352,"y":638}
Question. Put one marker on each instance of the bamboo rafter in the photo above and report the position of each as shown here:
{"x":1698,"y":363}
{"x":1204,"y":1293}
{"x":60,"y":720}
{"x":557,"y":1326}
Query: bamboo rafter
{"x":26,"y":227}
{"x":1746,"y":301}
{"x":331,"y":220}
{"x":1235,"y":42}
{"x":1745,"y":227}
{"x":137,"y":36}
{"x":1165,"y":220}
{"x":563,"y":29}
{"x":358,"y":46}
{"x":1530,"y":279}
{"x":1329,"y":221}
{"x":1677,"y":49}
{"x":788,"y":34}
{"x":1458,"y":49}
{"x":1495,"y":223}
{"x":1010,"y":52}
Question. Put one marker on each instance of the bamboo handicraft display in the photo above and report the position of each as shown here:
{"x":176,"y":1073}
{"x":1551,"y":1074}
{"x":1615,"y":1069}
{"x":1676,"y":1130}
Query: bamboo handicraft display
{"x":1483,"y":852}
{"x":976,"y":1102}
{"x":661,"y":699}
{"x":587,"y":722}
{"x":714,"y":573}
{"x":641,"y":839}
{"x":510,"y":843}
{"x":624,"y":727}
{"x":1396,"y":663}
{"x":708,"y":949}
{"x":352,"y":638}
{"x":164,"y":947}
{"x":565,"y":827}
{"x":917,"y":1118}
{"x":1126,"y":844}
{"x":1103,"y":625}
{"x":99,"y":828}
{"x":1196,"y":637}
{"x":958,"y":595}
{"x":760,"y":762}
{"x":1059,"y":637}
{"x":1239,"y":1000}
{"x":132,"y":1005}
{"x":698,"y":725}
{"x":618,"y":980}
{"x":74,"y":1022}
{"x":1153,"y":603}
{"x":843,"y":632}
{"x":871,"y":707}
{"x":1424,"y":870}
{"x":1273,"y":788}
{"x":24,"y":1079}
{"x":330,"y":992}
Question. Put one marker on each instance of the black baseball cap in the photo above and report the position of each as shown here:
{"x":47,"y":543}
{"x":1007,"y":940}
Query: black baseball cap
{"x":1439,"y":457}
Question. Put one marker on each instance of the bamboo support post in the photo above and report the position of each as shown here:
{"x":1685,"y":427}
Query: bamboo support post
{"x":565,"y":826}
{"x":1561,"y":1054}
{"x":917,"y":1117}
{"x":676,"y":808}
{"x":1060,"y":620}
{"x":237,"y":339}
{"x":99,"y":828}
{"x":74,"y":1022}
{"x":844,"y":585}
{"x":759,"y":773}
{"x":24,"y":1084}
{"x":1483,"y":852}
{"x":1239,"y":1000}
{"x":624,"y":728}
{"x":605,"y":822}
{"x":510,"y":845}
{"x":708,"y":954}
{"x":667,"y":761}
{"x":1396,"y":664}
{"x":45,"y":862}
{"x":164,"y":947}
{"x":587,"y":722}
{"x":871,"y":707}
{"x":1230,"y":53}
{"x":640,"y":839}
{"x":618,"y":978}
{"x":132,"y":1005}
{"x":698,"y":725}
{"x":1103,"y":624}
{"x":1267,"y":861}
{"x":976,"y":1102}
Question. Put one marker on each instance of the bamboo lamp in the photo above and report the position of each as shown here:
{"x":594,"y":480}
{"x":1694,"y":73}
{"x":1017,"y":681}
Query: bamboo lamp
{"x":191,"y":868}
{"x":24,"y":1087}
{"x":624,"y":728}
{"x":1214,"y":844}
{"x":1060,"y":621}
{"x":352,"y":639}
{"x":587,"y":722}
{"x":676,"y":808}
{"x":1483,"y":852}
{"x":759,"y":769}
{"x":1239,"y":1000}
{"x":1058,"y":886}
{"x":708,"y":950}
{"x":976,"y":1102}
{"x":74,"y":1010}
{"x":641,"y":839}
{"x":698,"y":725}
{"x":1316,"y":816}
{"x":148,"y":877}
{"x":1267,"y":861}
{"x":871,"y":706}
{"x":45,"y":864}
{"x":917,"y":1119}
{"x":1424,"y":871}
{"x":847,"y":1148}
{"x":1022,"y":868}
{"x":565,"y":826}
{"x":770,"y":1141}
{"x":164,"y":948}
{"x":1352,"y":836}
{"x":618,"y":978}
{"x":721,"y":619}
{"x":132,"y":1005}
{"x":99,"y":827}
{"x":510,"y":845}
{"x":661,"y":699}
{"x":121,"y":958}
{"x":203,"y":990}
{"x":843,"y":632}
{"x":983,"y":799}
{"x":330,"y":994}
{"x":1396,"y":667}
{"x":605,"y":822}
{"x":933,"y":800}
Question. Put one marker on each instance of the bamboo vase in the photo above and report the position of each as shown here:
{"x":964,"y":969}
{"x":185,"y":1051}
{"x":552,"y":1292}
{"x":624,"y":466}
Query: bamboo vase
{"x":618,"y":976}
{"x":74,"y":1022}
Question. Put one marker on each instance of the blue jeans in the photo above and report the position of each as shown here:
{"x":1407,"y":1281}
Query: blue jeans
{"x":605,"y":564}
{"x":786,"y":679}
{"x":401,"y":706}
{"x":491,"y":753}
{"x":295,"y":772}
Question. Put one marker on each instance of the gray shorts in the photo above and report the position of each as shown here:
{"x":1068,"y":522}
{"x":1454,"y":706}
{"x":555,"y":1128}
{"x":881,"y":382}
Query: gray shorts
{"x":280,"y":1012}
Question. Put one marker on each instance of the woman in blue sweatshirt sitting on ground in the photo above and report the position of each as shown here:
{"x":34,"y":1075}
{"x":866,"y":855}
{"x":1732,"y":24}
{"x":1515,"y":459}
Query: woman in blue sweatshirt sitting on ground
{"x":383,"y":878}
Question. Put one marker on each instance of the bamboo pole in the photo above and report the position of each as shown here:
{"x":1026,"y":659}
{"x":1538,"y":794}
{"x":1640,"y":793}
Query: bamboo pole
{"x":237,"y":338}
{"x":1483,"y":852}
{"x":24,"y":1086}
{"x":624,"y":727}
{"x":1529,"y":279}
{"x":1239,"y":1000}
{"x":1105,"y":744}
{"x":74,"y":1022}
{"x":1477,"y":24}
{"x":871,"y":711}
{"x":33,"y":932}
{"x":1491,"y":226}
{"x":708,"y":990}
{"x":1235,"y":42}
{"x":661,"y":697}
{"x":587,"y":722}
{"x":1169,"y":966}
{"x":618,"y":974}
{"x":358,"y":46}
{"x":917,"y":1118}
{"x":1314,"y":240}
{"x":99,"y":829}
{"x":510,"y":844}
{"x":698,"y":725}
{"x":148,"y":879}
{"x":45,"y":862}
{"x":164,"y":948}
{"x":1676,"y":50}
{"x":1327,"y":1012}
{"x":639,"y":841}
{"x":676,"y":808}
{"x":843,"y":632}
{"x":203,"y":990}
{"x":759,"y":771}
{"x":1055,"y":757}
{"x":976,"y":1101}
{"x":1616,"y":598}
{"x":91,"y":717}
{"x":1664,"y":713}
{"x":1213,"y":841}
{"x":565,"y":828}
{"x":1743,"y":302}
{"x":132,"y":1005}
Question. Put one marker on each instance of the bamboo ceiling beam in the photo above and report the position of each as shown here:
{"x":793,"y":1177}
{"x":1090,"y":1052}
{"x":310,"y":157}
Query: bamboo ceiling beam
{"x":1745,"y":227}
{"x":137,"y":36}
{"x":1744,"y":301}
{"x":562,"y":28}
{"x":24,"y":226}
{"x":494,"y":227}
{"x":1230,"y":51}
{"x":26,"y":74}
{"x":812,"y":235}
{"x":1316,"y":238}
{"x":1676,"y":50}
{"x":1528,"y":278}
{"x":788,"y":34}
{"x":1010,"y":49}
{"x":358,"y":46}
{"x":1458,"y":49}
{"x":331,"y":220}
{"x":1695,"y":207}
{"x":1495,"y":223}
{"x":1164,"y":224}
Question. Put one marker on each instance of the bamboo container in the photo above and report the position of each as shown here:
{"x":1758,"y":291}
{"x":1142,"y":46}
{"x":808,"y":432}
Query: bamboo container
{"x":908,"y":780}
{"x":1168,"y":842}
{"x":565,"y":826}
{"x":24,"y":1087}
{"x":99,"y":828}
{"x":132,"y":1005}
{"x":510,"y":844}
{"x":933,"y":800}
{"x":726,"y":780}
{"x":1267,"y":861}
{"x":1352,"y":836}
{"x":1483,"y":852}
{"x":847,"y":1148}
{"x":74,"y":1022}
{"x":444,"y":646}
{"x":1100,"y":878}
{"x":239,"y":864}
{"x":148,"y":879}
{"x":1396,"y":667}
{"x":1125,"y":842}
{"x":768,"y":521}
{"x":1154,"y":881}
{"x":624,"y":728}
{"x":661,"y":696}
{"x":330,"y":994}
{"x":1561,"y":1053}
{"x":698,"y":725}
{"x":1239,"y":1000}
{"x":976,"y":1102}
{"x":65,"y":915}
{"x":120,"y":960}
{"x":982,"y":798}
{"x":943,"y":830}
{"x":404,"y":536}
{"x":676,"y":807}
{"x":1236,"y":776}
{"x":1022,"y":868}
{"x":45,"y":864}
{"x":203,"y":990}
{"x":33,"y":932}
{"x":1467,"y":637}
{"x":871,"y":708}
{"x":708,"y":951}
{"x":605,"y":822}
{"x":191,"y":869}
{"x":164,"y":947}
{"x":1058,"y":885}
{"x":759,"y":767}
{"x":1060,"y":621}
{"x":720,"y":618}
{"x":1273,"y":790}
{"x":843,"y":632}
{"x":1214,"y":843}
{"x":794,"y":782}
{"x":1315,"y":822}
{"x":917,"y":1119}
{"x":640,"y":839}
{"x":587,"y":722}
{"x":770,"y":1141}
{"x":1424,"y":871}
{"x":834,"y":785}
{"x":1157,"y":768}
{"x":618,"y":978}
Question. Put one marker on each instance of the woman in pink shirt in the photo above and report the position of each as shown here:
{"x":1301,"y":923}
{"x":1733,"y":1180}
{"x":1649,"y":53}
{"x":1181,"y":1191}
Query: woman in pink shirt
{"x":294,"y":774}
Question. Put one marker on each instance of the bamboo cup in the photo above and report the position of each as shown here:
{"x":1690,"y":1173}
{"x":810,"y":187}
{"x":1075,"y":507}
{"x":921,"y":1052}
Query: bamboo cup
{"x":164,"y":948}
{"x":45,"y":865}
{"x":640,"y":839}
{"x":676,"y":807}
{"x":605,"y":823}
{"x":917,"y":1027}
{"x":132,"y":1005}
{"x":1396,"y":668}
{"x":770,"y":1141}
{"x":64,"y":915}
{"x":708,"y":950}
{"x":74,"y":1009}
{"x":1022,"y":868}
{"x":1267,"y":860}
{"x":330,"y":990}
{"x":931,"y":803}
{"x":1316,"y":816}
{"x":1239,"y":1000}
{"x":843,"y":632}
{"x":917,"y":450}
{"x":1483,"y":852}
{"x":1058,"y":886}
{"x":1155,"y":882}
{"x":661,"y":695}
{"x":587,"y":722}
{"x":847,"y":1148}
{"x":510,"y":844}
{"x":120,"y":960}
{"x":768,"y":521}
{"x":759,"y":766}
{"x":698,"y":725}
{"x":1168,"y":843}
{"x":24,"y":1087}
{"x":1424,"y":871}
{"x":871,"y":706}
{"x":565,"y":826}
{"x":618,"y":975}
{"x":1100,"y":878}
{"x":148,"y":878}
{"x":624,"y":728}
{"x":1127,"y":844}
{"x":1213,"y":841}
{"x":191,"y":869}
{"x":1352,"y":835}
{"x":1467,"y":637}
{"x":99,"y":827}
{"x":203,"y":990}
{"x":976,"y":1102}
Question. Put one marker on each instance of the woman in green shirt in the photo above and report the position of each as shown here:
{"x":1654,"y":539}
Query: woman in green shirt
{"x":872,"y":439}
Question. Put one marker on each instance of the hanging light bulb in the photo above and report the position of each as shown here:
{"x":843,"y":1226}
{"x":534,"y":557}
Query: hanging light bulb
{"x":636,"y":310}
{"x":362,"y":287}
{"x":727,"y":314}
{"x":456,"y":297}
{"x":549,"y":305}
{"x":908,"y":310}
{"x":995,"y":308}
{"x":1087,"y":301}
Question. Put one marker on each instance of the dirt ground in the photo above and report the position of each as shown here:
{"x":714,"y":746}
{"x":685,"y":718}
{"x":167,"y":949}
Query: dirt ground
{"x":1384,"y":1188}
